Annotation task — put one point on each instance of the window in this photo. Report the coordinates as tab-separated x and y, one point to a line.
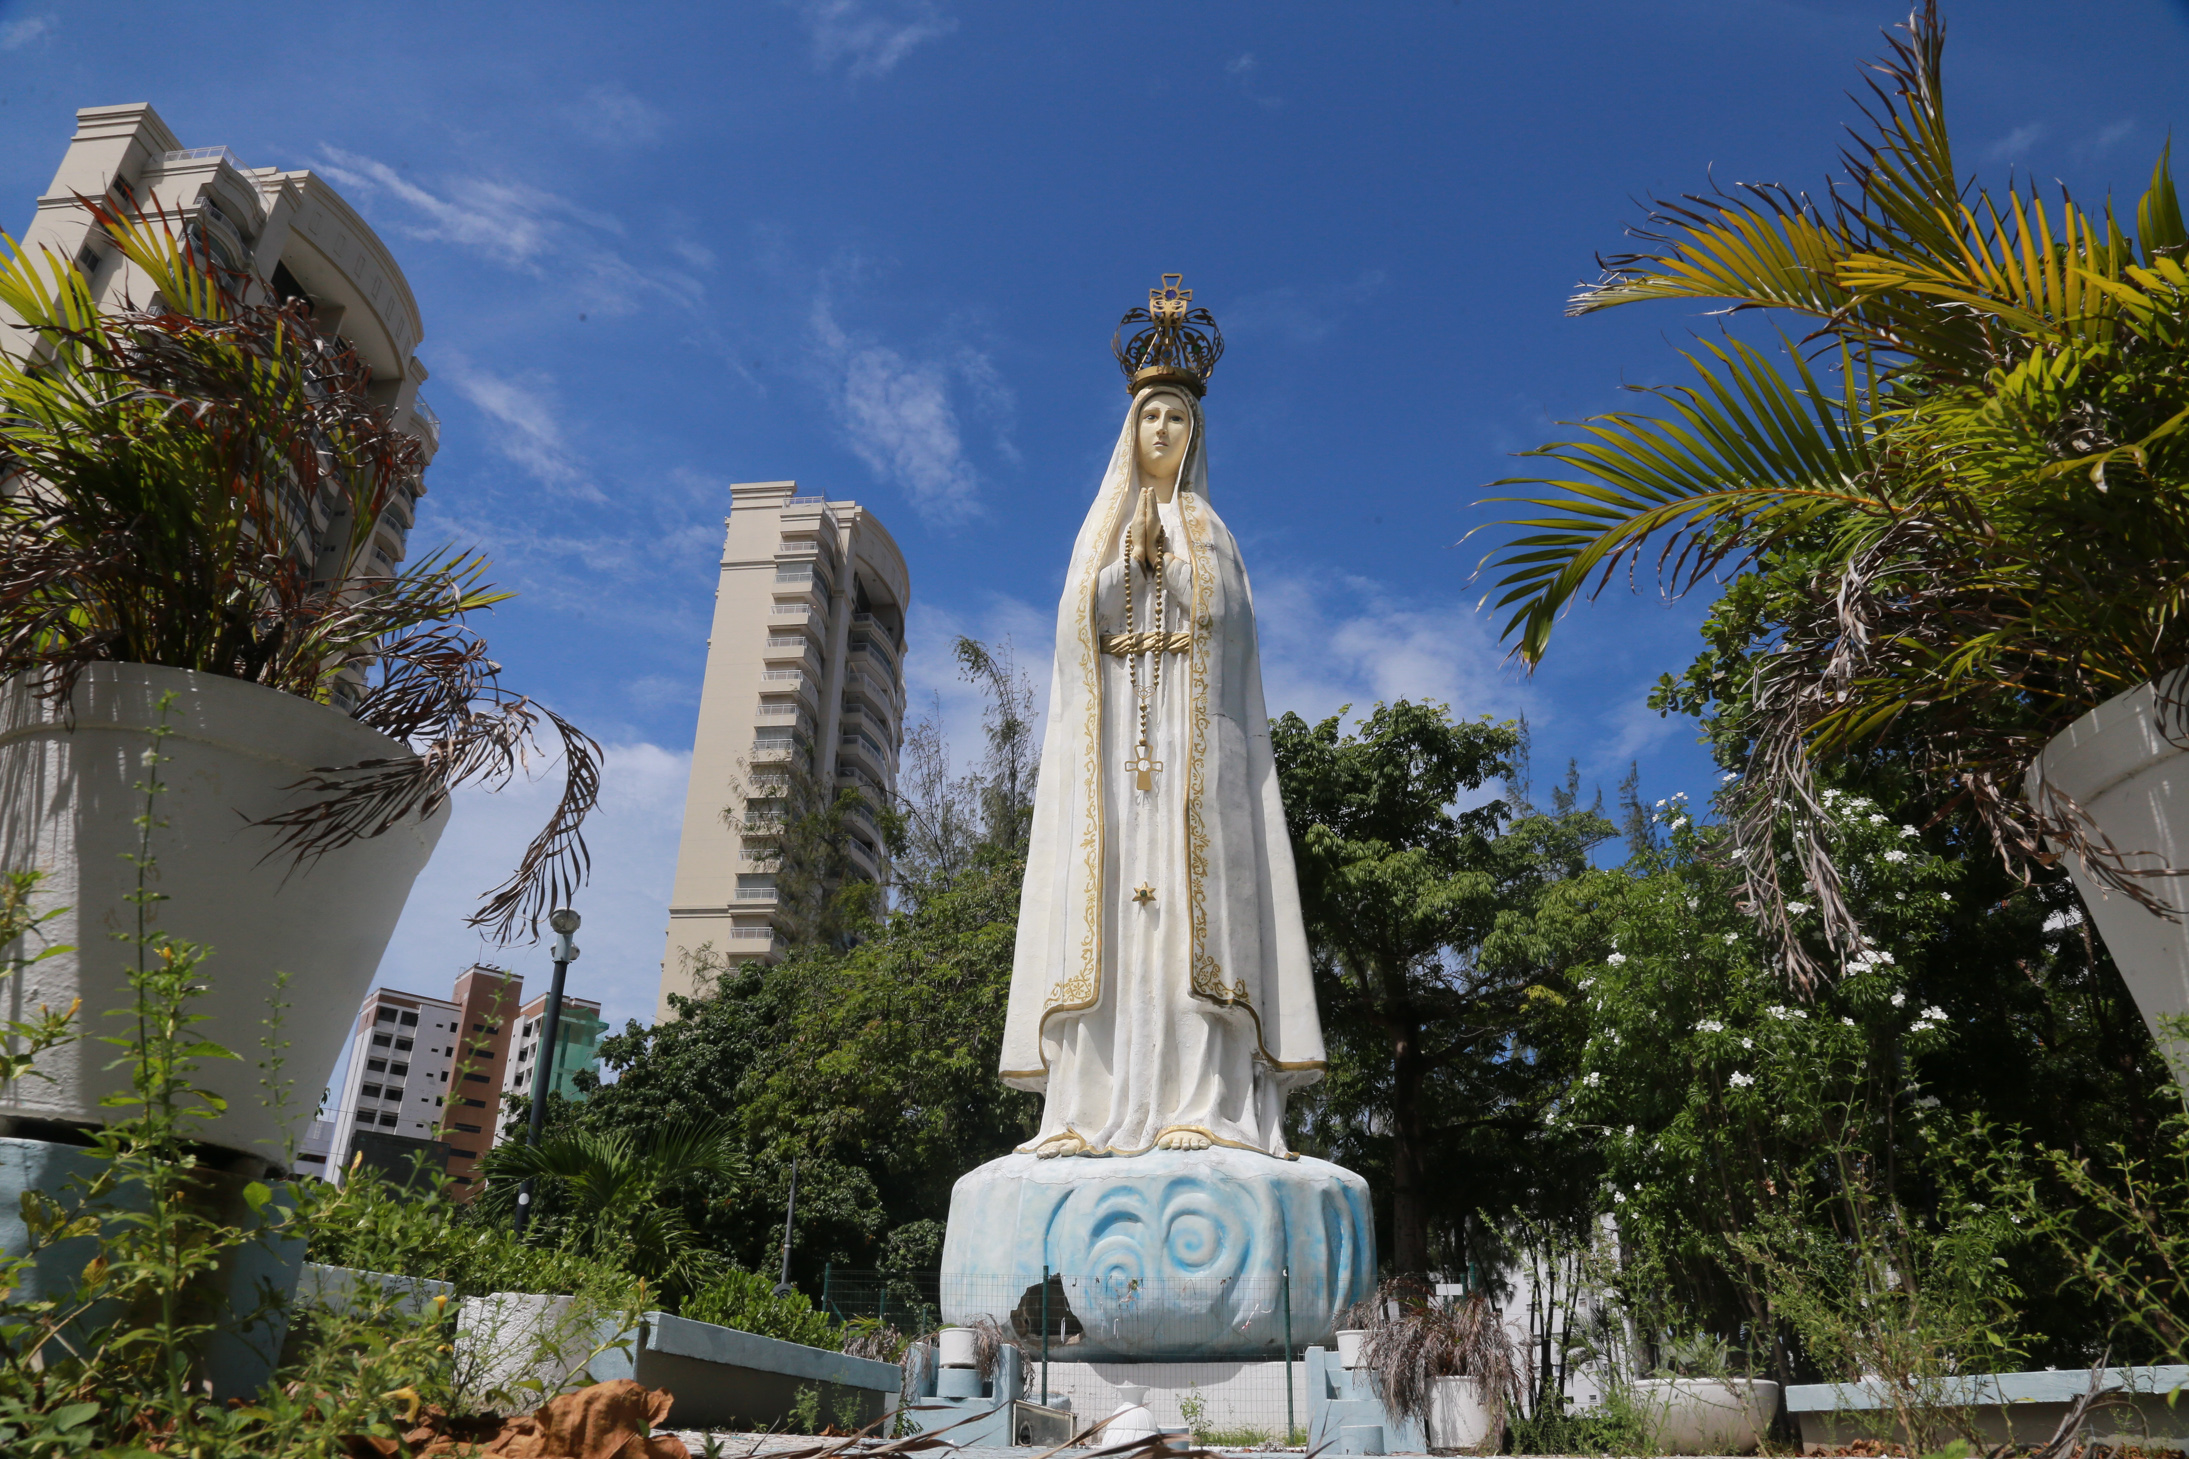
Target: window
381	1040
312	1159
398	1068
377	1066
364	1116
459	1153
476	1079
388	1118
468	1129
385	1015
404	1045
410	1018
478	1028
370	1091
475	1103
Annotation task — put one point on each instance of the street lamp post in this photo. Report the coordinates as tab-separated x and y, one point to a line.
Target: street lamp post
564	921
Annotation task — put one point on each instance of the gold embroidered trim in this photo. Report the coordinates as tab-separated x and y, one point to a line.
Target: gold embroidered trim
1124	645
1205	975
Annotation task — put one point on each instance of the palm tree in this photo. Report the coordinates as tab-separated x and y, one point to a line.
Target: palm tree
1962	481
618	1197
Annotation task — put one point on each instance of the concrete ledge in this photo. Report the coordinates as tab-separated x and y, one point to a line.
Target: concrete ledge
706	1341
1976	1389
2016	1408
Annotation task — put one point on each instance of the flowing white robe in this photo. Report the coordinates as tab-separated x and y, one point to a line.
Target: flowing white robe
1191	1009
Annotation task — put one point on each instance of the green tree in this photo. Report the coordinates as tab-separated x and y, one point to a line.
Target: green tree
615	1194
1437	1079
1975	451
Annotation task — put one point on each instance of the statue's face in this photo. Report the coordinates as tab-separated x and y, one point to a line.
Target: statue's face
1161	430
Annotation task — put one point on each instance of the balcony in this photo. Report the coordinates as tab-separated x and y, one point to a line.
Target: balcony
424	423
864	745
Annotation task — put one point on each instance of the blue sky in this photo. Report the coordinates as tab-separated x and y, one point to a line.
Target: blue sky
879	246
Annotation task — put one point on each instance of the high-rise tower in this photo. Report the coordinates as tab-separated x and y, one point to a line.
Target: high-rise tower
805	675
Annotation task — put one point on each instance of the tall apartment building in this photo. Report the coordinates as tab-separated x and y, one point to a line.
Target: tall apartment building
577	1046
394	1092
490	999
805	666
289	231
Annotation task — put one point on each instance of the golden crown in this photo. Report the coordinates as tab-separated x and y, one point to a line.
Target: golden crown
1176	344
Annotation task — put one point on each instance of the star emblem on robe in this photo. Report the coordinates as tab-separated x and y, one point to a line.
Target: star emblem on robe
1143	894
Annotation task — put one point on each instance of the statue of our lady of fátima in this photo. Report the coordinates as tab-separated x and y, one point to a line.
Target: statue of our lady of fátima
1160	993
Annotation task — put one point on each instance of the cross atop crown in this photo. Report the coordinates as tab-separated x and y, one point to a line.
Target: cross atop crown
1170	301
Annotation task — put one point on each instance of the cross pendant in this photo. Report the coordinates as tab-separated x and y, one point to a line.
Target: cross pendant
1144	766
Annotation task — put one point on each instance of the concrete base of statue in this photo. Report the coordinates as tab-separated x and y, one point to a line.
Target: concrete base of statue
1173	1254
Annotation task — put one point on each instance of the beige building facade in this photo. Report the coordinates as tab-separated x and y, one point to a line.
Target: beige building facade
289	232
805	666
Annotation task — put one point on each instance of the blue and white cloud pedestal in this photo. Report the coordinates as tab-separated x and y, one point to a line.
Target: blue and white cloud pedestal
1169	1255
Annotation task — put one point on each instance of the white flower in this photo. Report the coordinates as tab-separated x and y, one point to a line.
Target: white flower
1877	820
1896	856
1678	822
1906	831
1739	1080
1617	959
1587	983
1934	1011
1945	896
149	758
1740	853
1630	1132
1900	1000
1620	1197
1748	1043
1660	805
1593	1079
1710	1025
1731	938
1928	1101
1848	1021
1882	956
1692	904
1797	908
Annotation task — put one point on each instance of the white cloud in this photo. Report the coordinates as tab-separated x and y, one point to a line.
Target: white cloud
509	222
531	427
1336	640
2011	147
896	415
871	37
633	837
693	253
519	226
613	115
1301	317
17	34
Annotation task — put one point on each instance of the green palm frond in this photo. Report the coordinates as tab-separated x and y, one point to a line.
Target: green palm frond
1744	457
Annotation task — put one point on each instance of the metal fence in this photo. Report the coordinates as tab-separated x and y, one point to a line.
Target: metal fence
1221	1357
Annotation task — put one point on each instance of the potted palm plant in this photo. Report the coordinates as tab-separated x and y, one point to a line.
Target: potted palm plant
1952	508
188	493
1446	1364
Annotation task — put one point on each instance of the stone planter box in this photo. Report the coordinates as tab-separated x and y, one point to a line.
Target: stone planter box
67	805
1707	1415
1458	1420
2134	783
2008	1408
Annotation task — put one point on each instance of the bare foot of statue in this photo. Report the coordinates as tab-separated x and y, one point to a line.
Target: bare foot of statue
1181	1140
1064	1144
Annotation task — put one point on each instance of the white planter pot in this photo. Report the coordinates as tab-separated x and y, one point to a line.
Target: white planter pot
66	808
1707	1415
2135	784
1458	1418
954	1348
1349	1346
